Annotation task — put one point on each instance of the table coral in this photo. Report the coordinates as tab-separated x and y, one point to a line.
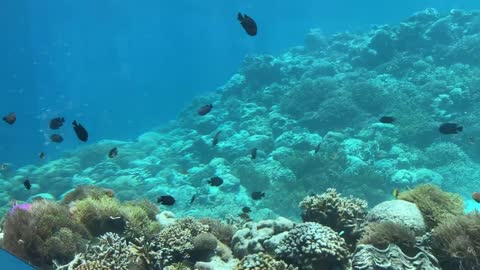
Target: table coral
313	246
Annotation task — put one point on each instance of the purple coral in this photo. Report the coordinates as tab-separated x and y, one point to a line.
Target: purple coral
20	206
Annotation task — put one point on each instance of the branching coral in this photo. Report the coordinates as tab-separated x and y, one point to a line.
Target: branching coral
339	213
436	205
313	246
456	242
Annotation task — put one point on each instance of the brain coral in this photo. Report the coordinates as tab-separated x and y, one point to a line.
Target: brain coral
330	209
314	246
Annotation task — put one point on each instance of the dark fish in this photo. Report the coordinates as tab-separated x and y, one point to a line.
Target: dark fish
317	148
387	119
81	132
476	196
27	184
257	195
10	118
215	138
215	181
56	138
246	210
194	196
41	155
56	123
205	109
450	128
113	153
245	216
166	200
254	153
396	193
248	24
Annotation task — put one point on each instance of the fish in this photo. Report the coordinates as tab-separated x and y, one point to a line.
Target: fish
450	128
4	167
215	181
205	109
56	138
57	122
257	195
395	193
81	132
10	118
248	24
166	200
253	153
27	184
387	119
471	140
41	155
317	148
476	196
245	216
113	152
215	138
246	209
194	196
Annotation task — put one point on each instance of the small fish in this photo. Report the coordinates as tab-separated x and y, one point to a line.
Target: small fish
254	153
246	210
81	132
317	148
194	196
10	118
395	193
450	128
56	138
476	196
471	140
4	167
166	200
257	195
248	24
245	216
41	155
205	109
215	181
27	184
57	122
113	152
387	119
215	138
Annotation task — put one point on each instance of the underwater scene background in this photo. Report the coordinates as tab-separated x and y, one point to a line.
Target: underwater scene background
176	136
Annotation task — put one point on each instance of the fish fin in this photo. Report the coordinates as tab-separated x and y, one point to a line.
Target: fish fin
240	17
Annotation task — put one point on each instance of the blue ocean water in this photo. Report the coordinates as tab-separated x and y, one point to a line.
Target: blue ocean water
122	68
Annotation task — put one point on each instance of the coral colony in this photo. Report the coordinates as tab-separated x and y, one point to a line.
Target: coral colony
334	124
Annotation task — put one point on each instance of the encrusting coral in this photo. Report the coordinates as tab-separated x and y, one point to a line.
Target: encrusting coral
435	204
341	214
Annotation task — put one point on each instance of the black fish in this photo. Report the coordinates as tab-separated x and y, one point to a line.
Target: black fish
245	216
254	153
248	24
215	181
10	118
166	200
194	196
81	132
450	128
215	138
246	210
113	153
317	148
41	155
56	123
205	109
56	138
387	119
27	184
257	195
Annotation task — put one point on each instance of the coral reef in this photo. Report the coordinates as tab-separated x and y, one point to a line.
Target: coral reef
381	235
435	204
313	246
341	214
400	212
263	261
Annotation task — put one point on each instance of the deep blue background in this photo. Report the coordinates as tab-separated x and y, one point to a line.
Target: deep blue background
122	67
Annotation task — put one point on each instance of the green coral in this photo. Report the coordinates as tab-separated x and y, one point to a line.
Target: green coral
435	204
456	242
381	235
85	191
